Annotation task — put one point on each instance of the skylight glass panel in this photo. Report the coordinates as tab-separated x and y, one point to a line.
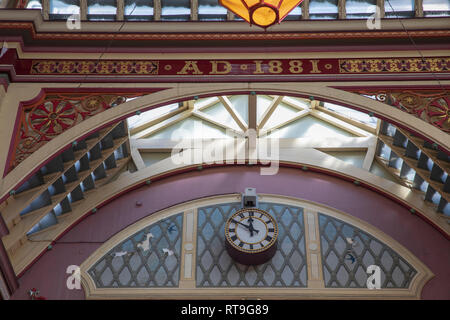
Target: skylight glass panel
150	115
360	9
102	10
400	8
436	8
34	4
323	9
176	10
295	14
384	151
446	209
62	9
352	114
138	9
211	10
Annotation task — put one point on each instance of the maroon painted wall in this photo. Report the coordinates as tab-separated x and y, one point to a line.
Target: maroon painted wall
425	242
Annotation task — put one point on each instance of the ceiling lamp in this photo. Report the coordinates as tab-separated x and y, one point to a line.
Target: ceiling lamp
263	13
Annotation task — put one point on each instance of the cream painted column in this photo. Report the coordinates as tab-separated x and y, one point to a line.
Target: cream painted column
313	251
188	251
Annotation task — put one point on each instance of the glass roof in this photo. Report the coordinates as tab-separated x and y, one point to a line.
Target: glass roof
211	10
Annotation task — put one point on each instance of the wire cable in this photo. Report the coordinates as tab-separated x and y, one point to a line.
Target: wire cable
415	45
109	45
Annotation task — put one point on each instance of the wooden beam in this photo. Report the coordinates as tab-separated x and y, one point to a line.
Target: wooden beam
380	5
236	117
418	8
287	100
189	104
83	10
370	155
45	9
344	125
157	120
296	117
208	118
315	104
348	120
120	10
162	125
252	112
156	10
323	143
194	10
269	111
154	145
305	10
136	157
342	13
209	102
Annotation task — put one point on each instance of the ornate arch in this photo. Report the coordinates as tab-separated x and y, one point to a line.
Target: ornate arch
183	92
129	264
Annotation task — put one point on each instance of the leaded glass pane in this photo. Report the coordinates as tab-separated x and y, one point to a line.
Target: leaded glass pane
176	10
211	10
101	9
323	9
360	9
347	251
62	9
215	268
138	10
149	258
400	8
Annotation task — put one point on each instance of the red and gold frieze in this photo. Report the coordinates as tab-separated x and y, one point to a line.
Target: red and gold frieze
432	106
239	67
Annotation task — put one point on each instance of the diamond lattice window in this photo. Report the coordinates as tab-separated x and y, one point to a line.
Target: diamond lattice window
149	258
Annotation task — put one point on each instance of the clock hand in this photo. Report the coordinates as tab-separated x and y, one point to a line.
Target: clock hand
240	223
250	221
251	229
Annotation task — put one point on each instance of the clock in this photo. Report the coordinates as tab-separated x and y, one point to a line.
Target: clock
251	236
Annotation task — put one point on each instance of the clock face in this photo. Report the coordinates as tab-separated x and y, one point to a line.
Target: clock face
251	230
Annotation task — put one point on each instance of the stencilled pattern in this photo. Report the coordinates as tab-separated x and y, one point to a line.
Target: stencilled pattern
149	258
215	268
347	252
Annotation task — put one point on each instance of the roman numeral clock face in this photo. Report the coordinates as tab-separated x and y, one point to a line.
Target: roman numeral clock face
251	236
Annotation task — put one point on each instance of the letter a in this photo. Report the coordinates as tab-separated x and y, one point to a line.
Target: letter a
190	66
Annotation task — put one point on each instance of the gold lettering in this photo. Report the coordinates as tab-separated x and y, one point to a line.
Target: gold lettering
315	66
215	69
190	66
275	66
258	67
296	66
